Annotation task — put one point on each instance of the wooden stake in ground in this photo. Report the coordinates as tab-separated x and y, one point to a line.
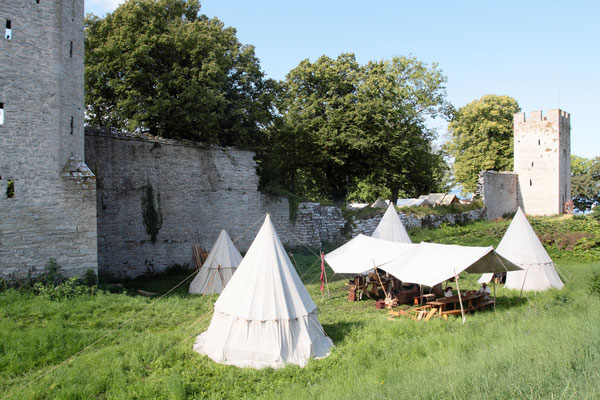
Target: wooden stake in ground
462	310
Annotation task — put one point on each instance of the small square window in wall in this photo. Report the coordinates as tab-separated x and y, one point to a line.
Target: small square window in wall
10	189
8	31
1	113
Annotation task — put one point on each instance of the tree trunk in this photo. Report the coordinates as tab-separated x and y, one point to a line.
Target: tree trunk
394	197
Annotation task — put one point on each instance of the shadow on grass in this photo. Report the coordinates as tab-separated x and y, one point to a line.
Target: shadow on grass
178	281
507	302
339	330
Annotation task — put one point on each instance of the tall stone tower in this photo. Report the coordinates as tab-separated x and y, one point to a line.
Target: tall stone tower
542	150
47	193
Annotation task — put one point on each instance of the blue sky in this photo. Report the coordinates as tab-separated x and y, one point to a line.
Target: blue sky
545	54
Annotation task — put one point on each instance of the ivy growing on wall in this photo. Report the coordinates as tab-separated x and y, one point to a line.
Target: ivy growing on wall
151	212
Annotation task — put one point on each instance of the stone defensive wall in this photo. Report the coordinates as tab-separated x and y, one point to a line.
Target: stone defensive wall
158	198
499	193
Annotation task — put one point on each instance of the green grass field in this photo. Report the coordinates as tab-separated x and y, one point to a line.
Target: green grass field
546	346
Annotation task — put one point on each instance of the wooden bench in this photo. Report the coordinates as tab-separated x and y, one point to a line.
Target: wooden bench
486	303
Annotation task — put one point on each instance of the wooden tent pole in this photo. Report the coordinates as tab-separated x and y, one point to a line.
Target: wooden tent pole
462	310
525	277
494	280
378	277
326	283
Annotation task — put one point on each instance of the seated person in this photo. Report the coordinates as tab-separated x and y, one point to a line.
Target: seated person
448	292
485	289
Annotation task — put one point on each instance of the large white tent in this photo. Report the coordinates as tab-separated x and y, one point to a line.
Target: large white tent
521	245
218	268
264	316
423	263
391	228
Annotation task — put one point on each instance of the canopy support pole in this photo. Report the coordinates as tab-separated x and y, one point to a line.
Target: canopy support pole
525	277
325	273
378	277
494	283
462	310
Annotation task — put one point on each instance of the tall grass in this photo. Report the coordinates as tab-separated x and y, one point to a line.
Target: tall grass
545	345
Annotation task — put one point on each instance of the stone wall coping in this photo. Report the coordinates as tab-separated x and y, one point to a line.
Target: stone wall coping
146	137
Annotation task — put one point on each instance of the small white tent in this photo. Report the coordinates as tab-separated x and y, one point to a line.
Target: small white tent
521	245
218	268
391	228
379	203
264	316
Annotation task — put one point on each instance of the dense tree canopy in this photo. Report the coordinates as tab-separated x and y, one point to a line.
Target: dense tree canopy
344	124
482	138
161	67
585	181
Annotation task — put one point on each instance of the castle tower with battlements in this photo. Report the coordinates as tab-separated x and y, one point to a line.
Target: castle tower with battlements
47	193
542	161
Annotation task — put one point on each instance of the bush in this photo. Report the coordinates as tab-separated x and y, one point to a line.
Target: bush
69	288
596	213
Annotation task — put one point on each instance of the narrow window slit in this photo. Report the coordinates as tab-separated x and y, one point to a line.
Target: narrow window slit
71	49
530	183
1	113
10	189
72	123
8	31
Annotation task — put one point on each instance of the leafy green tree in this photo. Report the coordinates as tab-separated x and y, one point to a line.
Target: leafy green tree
343	123
482	138
585	181
161	67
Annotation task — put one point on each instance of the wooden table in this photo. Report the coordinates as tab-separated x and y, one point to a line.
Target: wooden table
470	302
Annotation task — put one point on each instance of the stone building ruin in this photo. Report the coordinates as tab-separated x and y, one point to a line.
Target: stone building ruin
47	193
541	181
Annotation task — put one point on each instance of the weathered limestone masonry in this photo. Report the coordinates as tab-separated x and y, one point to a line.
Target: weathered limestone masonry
52	210
178	194
542	148
184	194
499	193
367	226
542	164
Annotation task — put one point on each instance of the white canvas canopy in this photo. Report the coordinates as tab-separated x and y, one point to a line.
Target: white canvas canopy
423	263
521	245
363	253
218	268
264	316
432	263
391	228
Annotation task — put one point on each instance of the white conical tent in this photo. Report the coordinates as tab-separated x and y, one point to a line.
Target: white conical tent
264	316
218	268
521	245
390	227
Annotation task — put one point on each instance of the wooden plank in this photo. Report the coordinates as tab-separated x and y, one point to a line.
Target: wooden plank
433	311
420	317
